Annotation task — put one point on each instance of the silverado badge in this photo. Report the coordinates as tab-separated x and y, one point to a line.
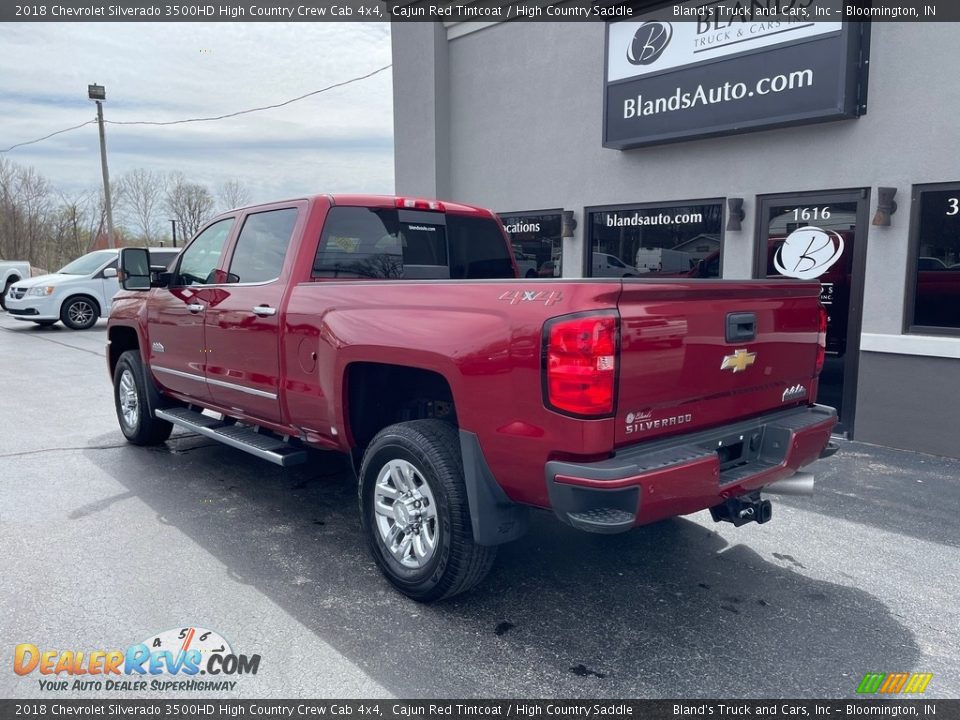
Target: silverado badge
739	361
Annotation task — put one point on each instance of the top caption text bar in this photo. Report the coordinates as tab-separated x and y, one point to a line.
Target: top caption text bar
720	12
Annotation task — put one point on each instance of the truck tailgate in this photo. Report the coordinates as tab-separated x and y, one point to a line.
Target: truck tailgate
697	355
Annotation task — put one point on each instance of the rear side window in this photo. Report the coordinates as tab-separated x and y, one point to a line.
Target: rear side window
394	244
262	246
477	249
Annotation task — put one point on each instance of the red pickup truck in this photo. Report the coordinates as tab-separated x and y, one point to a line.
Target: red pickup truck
397	330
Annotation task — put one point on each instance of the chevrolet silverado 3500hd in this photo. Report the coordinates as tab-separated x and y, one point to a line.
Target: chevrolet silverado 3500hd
397	330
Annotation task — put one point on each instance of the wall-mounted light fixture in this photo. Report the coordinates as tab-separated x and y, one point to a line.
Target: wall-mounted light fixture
568	224
885	206
735	214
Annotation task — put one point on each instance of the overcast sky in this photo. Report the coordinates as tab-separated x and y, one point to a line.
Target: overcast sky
341	140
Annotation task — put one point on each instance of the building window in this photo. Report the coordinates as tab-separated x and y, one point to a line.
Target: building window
536	241
933	280
656	240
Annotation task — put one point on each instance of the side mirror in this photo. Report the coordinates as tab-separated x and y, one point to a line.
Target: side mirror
110	272
134	269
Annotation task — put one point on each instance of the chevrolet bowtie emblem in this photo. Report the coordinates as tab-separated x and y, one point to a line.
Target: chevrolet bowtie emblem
739	361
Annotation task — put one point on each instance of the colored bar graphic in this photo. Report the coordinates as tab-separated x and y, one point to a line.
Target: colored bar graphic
894	683
918	682
871	683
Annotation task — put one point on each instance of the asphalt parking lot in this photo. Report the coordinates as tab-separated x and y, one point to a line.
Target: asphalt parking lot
106	544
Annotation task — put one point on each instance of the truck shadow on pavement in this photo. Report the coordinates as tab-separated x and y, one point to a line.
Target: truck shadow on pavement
671	610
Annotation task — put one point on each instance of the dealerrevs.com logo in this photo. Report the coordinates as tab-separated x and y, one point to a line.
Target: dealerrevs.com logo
168	661
649	42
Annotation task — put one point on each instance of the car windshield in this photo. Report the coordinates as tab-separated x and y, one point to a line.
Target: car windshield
88	263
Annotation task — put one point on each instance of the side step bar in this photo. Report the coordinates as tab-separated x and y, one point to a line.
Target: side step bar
266	447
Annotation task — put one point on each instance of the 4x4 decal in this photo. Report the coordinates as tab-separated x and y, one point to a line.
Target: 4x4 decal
547	297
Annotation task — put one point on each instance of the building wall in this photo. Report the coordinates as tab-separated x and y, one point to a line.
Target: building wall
524	103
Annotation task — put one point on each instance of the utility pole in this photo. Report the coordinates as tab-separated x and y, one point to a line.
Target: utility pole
99	94
173	225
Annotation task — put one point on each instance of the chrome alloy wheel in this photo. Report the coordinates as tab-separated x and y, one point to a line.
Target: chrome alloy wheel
406	514
80	312
128	399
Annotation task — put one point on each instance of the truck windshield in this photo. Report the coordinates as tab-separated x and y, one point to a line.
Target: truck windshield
360	242
88	263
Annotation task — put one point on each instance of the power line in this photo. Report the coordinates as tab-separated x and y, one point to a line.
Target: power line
251	110
45	137
204	119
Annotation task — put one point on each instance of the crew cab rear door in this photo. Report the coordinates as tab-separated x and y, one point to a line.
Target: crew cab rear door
703	353
244	317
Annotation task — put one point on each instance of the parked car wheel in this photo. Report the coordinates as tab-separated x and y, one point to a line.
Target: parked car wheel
135	397
414	512
79	313
6	289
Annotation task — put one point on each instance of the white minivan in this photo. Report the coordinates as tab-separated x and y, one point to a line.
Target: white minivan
78	294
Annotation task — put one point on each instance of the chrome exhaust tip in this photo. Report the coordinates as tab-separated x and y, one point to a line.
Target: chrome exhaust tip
800	483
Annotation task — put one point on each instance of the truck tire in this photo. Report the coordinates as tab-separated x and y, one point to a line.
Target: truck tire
6	289
79	313
135	397
414	512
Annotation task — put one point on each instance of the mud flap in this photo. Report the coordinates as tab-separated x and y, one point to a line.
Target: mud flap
495	518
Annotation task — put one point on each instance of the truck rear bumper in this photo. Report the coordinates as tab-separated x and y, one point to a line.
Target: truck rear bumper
651	481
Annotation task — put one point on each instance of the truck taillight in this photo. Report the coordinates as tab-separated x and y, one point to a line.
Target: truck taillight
418	204
580	363
821	339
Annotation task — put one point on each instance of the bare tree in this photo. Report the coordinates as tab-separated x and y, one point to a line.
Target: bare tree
191	204
85	218
42	225
25	206
232	194
142	198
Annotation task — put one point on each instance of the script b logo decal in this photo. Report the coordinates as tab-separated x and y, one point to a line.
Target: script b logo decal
649	42
808	253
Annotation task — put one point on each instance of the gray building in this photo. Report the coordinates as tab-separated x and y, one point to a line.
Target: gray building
683	149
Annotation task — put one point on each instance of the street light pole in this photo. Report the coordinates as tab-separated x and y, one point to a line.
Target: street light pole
99	95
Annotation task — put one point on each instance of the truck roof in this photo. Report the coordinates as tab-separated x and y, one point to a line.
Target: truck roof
382	201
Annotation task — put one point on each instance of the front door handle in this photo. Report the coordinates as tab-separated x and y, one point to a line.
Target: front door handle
195	307
264	310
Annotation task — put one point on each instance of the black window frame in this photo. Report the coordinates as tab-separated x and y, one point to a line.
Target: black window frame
913	256
587	254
